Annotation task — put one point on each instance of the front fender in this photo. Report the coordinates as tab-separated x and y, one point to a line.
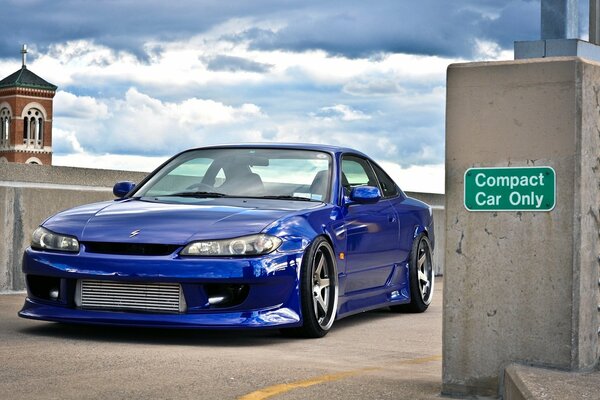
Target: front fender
298	231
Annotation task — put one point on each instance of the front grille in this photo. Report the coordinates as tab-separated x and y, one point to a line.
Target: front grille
134	249
151	297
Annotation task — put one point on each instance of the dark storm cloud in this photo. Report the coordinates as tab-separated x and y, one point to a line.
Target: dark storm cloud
394	27
233	64
519	16
429	27
119	24
354	28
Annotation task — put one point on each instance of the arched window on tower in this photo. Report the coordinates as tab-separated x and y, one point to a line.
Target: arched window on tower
41	132
26	131
4	127
33	129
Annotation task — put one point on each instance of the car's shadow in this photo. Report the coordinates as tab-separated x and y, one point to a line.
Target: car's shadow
193	337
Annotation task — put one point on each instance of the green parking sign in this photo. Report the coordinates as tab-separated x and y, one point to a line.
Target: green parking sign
510	189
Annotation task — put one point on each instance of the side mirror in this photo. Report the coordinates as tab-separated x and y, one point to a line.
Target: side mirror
364	195
122	188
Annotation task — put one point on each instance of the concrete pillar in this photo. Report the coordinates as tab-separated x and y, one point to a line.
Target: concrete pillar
594	31
560	19
521	286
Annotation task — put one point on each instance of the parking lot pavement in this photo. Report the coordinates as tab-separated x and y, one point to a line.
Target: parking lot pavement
374	355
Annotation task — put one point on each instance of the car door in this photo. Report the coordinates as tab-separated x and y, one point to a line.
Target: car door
396	197
372	231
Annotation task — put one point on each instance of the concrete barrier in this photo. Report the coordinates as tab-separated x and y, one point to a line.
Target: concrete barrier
31	193
523	382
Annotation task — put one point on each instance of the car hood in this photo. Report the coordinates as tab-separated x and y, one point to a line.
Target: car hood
139	221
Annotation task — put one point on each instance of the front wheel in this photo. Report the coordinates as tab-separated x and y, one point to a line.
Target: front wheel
318	290
421	277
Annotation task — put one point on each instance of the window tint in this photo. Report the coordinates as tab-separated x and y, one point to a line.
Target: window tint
356	171
388	186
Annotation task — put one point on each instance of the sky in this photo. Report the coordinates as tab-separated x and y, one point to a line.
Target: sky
139	81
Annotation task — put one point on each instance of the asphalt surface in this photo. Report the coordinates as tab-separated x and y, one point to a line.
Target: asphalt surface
374	355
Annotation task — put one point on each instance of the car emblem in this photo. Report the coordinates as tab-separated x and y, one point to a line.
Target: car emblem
134	233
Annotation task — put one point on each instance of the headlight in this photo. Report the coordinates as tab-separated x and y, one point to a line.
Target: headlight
242	246
43	239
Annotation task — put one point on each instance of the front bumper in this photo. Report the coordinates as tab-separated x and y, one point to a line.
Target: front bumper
272	298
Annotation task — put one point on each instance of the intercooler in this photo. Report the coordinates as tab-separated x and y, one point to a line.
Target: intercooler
130	296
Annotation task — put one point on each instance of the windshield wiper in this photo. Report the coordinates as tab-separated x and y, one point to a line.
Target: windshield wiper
200	195
285	197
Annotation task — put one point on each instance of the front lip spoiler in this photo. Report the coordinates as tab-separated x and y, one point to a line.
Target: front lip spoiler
266	318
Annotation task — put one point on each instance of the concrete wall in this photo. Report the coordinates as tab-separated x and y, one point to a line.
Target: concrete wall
31	193
521	286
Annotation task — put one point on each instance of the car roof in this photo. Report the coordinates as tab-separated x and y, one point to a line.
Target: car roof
296	146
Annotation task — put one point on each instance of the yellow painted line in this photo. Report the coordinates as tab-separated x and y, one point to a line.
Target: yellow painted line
271	391
275	390
422	360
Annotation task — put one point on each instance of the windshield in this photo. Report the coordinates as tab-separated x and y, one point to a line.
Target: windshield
244	172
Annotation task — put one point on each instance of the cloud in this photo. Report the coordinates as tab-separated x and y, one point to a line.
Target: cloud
68	105
65	142
129	107
398	98
141	124
417	178
342	112
372	86
234	64
351	28
108	161
516	20
356	29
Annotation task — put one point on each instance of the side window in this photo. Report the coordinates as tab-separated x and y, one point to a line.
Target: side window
356	171
388	186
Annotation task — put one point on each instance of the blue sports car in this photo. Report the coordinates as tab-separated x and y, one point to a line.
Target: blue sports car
238	236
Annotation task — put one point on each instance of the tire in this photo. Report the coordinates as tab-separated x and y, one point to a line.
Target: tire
318	291
421	277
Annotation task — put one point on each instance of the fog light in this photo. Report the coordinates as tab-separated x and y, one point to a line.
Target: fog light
213	301
225	295
53	294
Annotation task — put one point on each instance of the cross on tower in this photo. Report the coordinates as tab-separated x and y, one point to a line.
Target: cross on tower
24	55
26	116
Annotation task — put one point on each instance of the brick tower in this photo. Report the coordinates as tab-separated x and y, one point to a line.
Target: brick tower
26	117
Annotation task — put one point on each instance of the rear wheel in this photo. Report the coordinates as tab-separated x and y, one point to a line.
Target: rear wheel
421	277
318	291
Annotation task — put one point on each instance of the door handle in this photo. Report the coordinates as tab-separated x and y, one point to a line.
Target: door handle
391	218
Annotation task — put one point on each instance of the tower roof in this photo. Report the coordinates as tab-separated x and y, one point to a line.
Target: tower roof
26	78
